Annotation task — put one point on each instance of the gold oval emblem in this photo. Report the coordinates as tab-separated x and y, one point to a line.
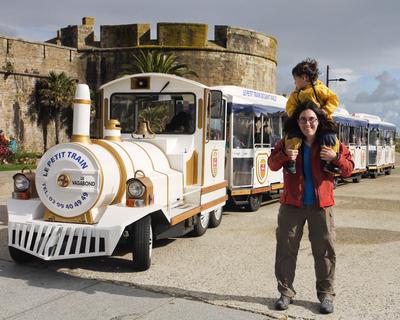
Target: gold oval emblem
63	180
214	162
262	167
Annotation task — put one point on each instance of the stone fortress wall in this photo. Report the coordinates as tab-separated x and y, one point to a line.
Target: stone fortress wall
236	56
22	63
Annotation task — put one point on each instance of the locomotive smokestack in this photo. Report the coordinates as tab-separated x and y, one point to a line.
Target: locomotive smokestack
81	124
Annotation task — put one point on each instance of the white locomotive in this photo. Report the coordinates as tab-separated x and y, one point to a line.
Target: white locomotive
166	178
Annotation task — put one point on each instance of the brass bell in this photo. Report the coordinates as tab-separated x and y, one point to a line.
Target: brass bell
143	130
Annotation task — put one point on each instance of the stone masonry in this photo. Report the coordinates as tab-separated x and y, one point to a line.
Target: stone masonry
235	57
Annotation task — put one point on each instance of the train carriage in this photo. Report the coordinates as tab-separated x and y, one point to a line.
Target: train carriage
381	144
353	132
156	171
254	125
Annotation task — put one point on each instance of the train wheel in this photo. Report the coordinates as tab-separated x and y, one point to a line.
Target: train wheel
388	171
230	204
20	256
357	178
201	225
215	218
142	237
254	202
373	174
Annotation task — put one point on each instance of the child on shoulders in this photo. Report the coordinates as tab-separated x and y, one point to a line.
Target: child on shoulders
308	87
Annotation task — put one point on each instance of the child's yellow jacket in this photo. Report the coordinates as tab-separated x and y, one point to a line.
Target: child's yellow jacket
326	97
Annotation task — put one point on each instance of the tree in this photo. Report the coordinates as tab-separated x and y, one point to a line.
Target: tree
56	93
156	61
39	113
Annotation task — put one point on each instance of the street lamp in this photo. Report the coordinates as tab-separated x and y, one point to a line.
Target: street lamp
327	77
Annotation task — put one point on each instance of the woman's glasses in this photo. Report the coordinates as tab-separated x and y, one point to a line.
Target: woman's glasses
311	120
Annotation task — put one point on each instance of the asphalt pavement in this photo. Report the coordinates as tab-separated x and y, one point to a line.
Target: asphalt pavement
38	291
227	273
27	292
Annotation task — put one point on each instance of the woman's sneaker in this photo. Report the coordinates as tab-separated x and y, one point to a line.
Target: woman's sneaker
283	302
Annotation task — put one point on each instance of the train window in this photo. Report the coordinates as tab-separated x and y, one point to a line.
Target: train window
364	136
243	130
344	135
352	135
267	130
389	137
355	135
276	132
216	125
373	137
122	109
242	171
167	113
381	138
262	131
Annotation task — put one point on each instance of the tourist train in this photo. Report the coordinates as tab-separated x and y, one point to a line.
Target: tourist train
171	154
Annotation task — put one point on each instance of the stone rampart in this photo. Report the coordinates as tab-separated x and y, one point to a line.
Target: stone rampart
235	56
22	63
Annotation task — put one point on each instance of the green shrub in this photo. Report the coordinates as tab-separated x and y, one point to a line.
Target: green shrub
25	157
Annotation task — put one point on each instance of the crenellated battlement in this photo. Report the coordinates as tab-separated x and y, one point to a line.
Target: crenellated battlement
169	35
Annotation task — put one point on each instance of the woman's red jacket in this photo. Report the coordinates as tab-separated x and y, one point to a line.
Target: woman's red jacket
323	181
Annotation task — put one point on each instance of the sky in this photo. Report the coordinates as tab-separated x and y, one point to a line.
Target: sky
358	39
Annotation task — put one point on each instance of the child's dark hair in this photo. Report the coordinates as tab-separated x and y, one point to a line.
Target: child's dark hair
290	126
308	67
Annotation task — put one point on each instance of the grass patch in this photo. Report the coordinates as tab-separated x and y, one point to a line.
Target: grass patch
19	160
15	166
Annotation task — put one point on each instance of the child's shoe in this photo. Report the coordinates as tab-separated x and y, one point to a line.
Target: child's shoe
330	167
290	166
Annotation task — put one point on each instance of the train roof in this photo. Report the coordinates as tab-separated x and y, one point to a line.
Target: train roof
374	121
245	96
167	77
350	121
343	117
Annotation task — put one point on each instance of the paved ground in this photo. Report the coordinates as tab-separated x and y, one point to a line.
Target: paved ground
28	292
232	265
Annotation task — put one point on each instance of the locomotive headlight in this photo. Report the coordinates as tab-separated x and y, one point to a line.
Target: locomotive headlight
139	190
21	183
135	188
24	185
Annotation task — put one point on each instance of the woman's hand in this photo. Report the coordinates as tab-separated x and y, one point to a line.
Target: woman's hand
292	153
327	154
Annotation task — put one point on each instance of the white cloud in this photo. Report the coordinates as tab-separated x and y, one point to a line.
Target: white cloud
388	90
383	100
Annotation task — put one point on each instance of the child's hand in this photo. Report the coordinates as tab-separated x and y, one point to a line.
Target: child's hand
327	154
292	153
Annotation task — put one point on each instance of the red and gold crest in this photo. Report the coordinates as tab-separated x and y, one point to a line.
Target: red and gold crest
214	162
262	167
